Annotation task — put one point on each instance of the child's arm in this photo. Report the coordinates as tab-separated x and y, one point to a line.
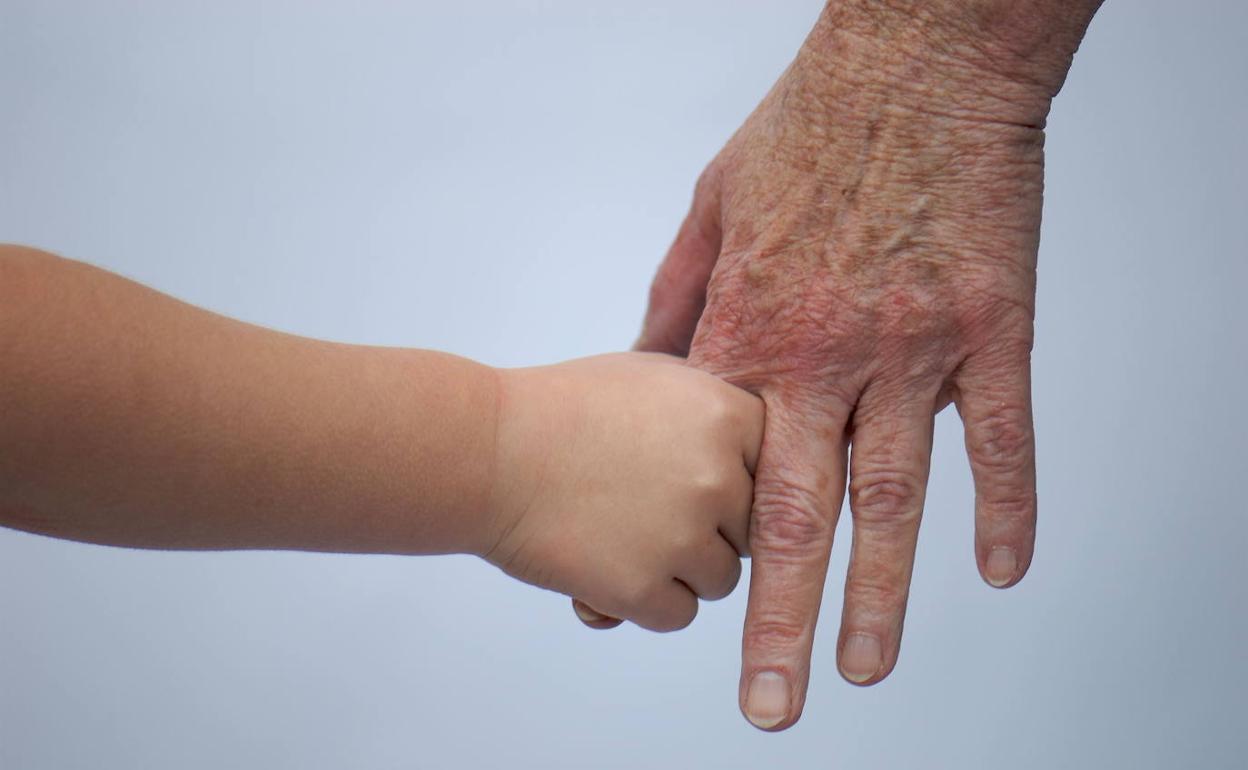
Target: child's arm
130	418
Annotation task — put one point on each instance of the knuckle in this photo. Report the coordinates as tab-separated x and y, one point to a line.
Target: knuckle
993	290
755	336
786	518
778	632
635	595
712	489
886	496
1004	316
721	408
1001	441
686	538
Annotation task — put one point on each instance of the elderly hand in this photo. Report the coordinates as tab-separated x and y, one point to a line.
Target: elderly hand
860	254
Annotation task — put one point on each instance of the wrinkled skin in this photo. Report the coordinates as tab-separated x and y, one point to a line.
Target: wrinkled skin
861	254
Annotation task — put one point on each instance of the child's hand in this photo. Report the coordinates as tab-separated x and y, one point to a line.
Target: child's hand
625	480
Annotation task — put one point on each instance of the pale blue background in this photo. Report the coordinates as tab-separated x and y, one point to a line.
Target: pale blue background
500	179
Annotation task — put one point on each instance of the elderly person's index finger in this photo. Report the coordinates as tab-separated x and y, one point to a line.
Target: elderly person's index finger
798	489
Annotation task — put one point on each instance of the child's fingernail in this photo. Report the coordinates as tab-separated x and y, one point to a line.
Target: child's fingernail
767	700
1001	566
861	658
586	613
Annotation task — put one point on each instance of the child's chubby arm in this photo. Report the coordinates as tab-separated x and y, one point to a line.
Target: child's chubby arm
130	418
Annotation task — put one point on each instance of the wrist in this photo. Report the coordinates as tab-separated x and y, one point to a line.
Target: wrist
995	60
520	452
490	513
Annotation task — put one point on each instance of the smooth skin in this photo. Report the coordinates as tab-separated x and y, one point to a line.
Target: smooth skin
130	418
861	254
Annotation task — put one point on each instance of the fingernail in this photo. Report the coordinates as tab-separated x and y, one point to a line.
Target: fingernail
861	657
767	700
1001	567
588	614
